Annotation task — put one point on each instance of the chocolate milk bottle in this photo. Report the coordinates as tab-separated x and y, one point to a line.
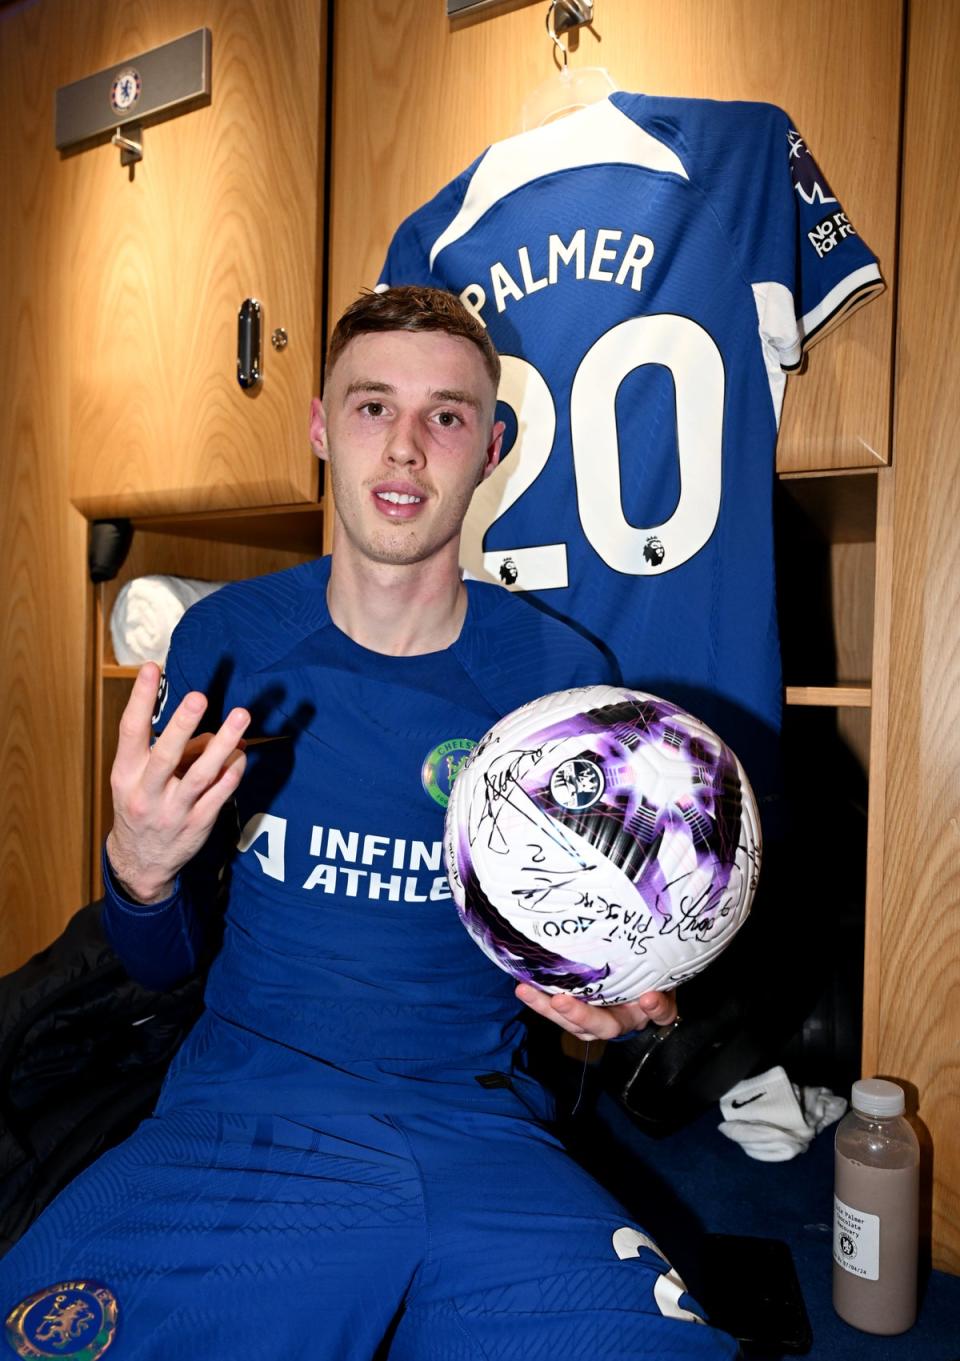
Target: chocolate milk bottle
876	1175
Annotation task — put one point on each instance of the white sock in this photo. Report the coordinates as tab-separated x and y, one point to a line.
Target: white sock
765	1116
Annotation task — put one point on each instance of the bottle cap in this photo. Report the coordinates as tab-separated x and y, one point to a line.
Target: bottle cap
875	1096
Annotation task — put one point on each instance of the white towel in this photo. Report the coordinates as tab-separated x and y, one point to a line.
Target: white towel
146	612
773	1119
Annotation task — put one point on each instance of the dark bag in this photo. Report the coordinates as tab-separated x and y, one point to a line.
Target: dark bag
83	1053
787	991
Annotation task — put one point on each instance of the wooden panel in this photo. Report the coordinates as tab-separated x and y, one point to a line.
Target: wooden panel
853	730
297	529
418	97
111	701
829	696
46	599
826	529
852	567
108	285
913	962
879	734
156	262
842	506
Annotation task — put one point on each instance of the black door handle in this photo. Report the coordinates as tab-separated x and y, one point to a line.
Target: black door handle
249	358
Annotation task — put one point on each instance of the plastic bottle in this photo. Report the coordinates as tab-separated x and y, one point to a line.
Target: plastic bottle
876	1176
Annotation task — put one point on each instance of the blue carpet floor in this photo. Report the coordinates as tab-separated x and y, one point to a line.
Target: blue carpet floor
695	1181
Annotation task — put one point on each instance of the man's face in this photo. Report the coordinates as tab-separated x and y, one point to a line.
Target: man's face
406	424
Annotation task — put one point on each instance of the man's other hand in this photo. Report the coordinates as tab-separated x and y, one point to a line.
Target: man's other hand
166	797
591	1022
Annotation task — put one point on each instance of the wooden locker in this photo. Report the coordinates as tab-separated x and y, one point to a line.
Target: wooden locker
156	261
417	97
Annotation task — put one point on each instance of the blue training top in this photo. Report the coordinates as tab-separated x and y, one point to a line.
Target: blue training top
342	943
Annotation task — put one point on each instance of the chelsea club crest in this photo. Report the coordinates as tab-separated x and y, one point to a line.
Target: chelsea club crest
442	767
75	1318
125	90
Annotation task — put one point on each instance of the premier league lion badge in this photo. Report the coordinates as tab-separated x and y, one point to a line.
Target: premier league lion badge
75	1318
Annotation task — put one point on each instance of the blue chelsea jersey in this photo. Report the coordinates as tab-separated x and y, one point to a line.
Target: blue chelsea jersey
650	269
341	941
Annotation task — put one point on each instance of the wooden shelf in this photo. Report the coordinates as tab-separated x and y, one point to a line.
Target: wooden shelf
820	696
849	696
297	528
842	505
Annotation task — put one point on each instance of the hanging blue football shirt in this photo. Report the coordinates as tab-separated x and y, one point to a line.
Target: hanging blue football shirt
649	269
342	943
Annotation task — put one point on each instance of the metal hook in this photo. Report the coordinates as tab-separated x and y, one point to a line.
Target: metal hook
569	14
131	147
551	31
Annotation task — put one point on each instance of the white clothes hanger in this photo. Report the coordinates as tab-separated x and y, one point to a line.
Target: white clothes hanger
570	89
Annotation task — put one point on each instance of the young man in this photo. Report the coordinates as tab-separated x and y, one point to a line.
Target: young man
347	1158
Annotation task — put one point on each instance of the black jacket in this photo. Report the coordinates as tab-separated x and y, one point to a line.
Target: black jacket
83	1053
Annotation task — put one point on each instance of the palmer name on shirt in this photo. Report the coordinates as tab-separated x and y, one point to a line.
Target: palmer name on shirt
607	255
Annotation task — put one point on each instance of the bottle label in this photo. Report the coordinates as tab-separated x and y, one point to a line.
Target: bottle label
856	1241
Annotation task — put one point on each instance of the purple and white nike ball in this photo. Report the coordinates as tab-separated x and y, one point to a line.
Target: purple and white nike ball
602	842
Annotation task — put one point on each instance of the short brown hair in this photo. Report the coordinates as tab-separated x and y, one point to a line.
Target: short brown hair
412	308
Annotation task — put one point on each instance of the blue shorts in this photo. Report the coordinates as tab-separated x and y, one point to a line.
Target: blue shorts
460	1234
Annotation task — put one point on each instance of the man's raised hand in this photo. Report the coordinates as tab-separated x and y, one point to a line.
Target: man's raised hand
166	797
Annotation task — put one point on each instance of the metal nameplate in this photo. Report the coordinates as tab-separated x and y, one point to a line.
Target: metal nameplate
157	84
457	7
